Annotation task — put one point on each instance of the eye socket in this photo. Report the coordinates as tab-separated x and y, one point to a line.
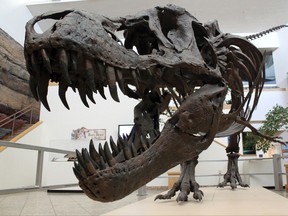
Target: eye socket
205	48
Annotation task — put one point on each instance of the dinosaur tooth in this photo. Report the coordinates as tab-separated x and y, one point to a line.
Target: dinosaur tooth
100	69
73	61
113	146
110	159
46	60
102	163
90	95
88	164
126	150
81	164
89	72
101	91
101	151
133	150
82	93
42	88
79	171
77	174
79	158
82	172
63	65
111	79
33	87
34	64
62	93
120	80
93	153
143	143
134	75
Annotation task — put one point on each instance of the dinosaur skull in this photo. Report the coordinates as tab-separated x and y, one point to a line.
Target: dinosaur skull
80	43
82	50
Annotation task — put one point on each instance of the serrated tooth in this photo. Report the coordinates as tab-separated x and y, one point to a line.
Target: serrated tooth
42	89
82	93
100	69
111	79
79	158
89	71
77	174
93	153
143	143
102	163
82	171
88	164
133	149
101	152
110	159
34	64
81	165
135	78
63	65
90	95
79	171
46	60
62	93
73	59
126	150
101	91
114	147
33	87
120	81
76	171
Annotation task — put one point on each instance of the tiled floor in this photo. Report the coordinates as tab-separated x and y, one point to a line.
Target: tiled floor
41	203
217	201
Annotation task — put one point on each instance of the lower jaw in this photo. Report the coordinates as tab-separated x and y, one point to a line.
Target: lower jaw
113	184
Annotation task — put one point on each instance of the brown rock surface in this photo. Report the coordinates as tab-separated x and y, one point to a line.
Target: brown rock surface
14	78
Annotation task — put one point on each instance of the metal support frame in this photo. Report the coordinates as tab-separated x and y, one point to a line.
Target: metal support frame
277	172
39	169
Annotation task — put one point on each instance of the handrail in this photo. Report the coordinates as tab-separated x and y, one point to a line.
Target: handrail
12	118
38	183
33	147
39	169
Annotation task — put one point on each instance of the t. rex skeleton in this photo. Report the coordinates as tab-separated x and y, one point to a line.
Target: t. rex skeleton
177	57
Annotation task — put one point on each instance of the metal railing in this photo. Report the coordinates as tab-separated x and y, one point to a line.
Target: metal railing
12	118
39	167
277	173
277	167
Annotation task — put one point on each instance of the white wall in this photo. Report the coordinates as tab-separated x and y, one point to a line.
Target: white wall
14	15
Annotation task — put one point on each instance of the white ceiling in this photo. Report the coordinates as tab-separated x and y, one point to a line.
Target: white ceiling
234	16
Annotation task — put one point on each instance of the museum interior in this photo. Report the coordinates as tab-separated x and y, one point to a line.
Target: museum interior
152	107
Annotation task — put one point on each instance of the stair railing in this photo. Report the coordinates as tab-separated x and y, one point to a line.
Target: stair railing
12	118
